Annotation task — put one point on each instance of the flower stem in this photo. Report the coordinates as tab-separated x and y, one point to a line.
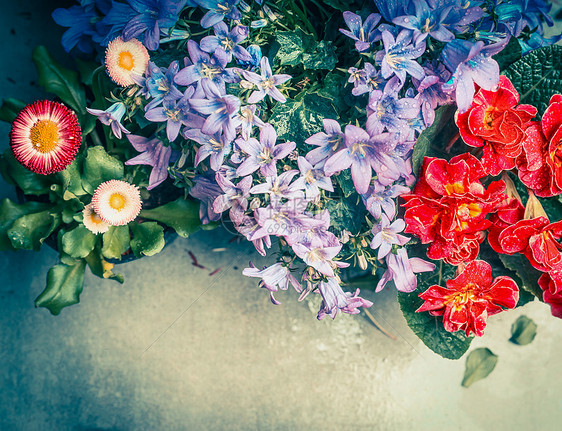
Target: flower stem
378	325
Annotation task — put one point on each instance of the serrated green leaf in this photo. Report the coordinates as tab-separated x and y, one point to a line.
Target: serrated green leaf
59	80
116	242
64	286
348	214
148	238
100	167
346	183
537	76
292	46
10	109
443	116
78	242
29	182
450	345
181	215
529	276
479	364
297	120
523	331
30	230
9	213
323	56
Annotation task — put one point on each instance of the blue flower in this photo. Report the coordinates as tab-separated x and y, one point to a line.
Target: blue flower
160	84
255	53
381	198
228	41
471	63
386	110
398	56
328	142
235	197
461	14
206	191
79	20
153	153
112	117
370	80
218	10
426	22
215	146
363	33
390	9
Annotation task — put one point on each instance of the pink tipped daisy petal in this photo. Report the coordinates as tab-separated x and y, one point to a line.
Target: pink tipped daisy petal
45	137
125	59
93	221
117	202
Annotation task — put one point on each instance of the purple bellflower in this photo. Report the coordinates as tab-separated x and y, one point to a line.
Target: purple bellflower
471	63
398	56
218	10
153	153
247	228
427	21
263	154
402	269
390	9
363	152
386	110
248	119
228	41
317	255
386	235
267	83
221	110
364	34
112	117
160	84
279	187
206	191
334	299
214	146
372	81
328	142
274	278
381	198
235	197
312	179
80	21
282	220
462	14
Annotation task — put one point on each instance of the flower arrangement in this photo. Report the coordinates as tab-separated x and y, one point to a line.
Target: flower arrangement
324	132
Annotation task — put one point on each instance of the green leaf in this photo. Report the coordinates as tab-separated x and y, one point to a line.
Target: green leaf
443	117
100	267
297	120
333	89
100	167
450	345
538	76
509	55
9	213
347	214
181	215
78	242
323	56
529	276
86	69
59	80
71	177
523	331
116	242
64	286
479	364
30	230
10	109
292	46
343	5
29	182
346	182
148	238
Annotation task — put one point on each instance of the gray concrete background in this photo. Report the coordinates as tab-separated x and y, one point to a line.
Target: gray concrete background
176	349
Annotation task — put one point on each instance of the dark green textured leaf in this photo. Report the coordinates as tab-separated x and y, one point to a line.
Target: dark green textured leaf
529	276
59	80
148	238
29	182
100	167
30	230
347	214
181	215
10	109
346	183
443	117
479	364
538	76
78	242
509	55
450	345
297	120
64	286
523	331
292	45
9	213
343	5
323	56
115	242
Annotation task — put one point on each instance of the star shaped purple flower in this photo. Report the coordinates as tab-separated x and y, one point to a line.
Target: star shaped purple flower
386	235
398	56
228	41
235	197
334	299
402	269
328	142
274	278
266	82
312	179
214	146
363	33
153	153
218	10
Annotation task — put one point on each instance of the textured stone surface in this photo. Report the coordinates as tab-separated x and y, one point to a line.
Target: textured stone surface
176	349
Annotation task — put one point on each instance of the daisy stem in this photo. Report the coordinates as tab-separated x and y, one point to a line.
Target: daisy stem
378	325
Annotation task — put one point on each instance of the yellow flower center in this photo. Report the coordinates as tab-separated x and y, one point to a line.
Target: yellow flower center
117	201
44	136
95	218
126	60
